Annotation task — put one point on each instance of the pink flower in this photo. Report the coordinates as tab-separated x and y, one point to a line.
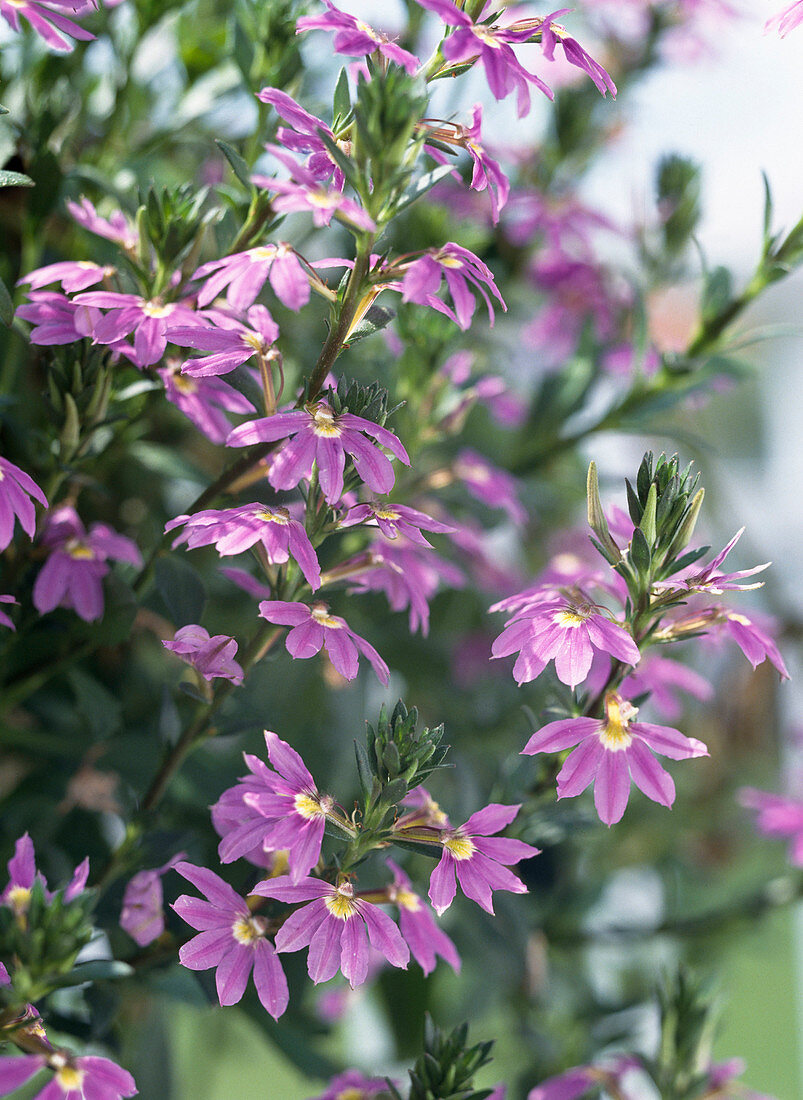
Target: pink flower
461	270
778	815
490	484
202	400
394	520
314	627
233	530
231	342
756	644
46	19
712	579
245	273
75	1078
318	435
4	619
409	575
336	925
142	915
612	751
240	825
492	45
56	319
478	859
292	814
231	939
575	1083
304	136
16	487
487	174
150	320
353	1085
355	38
72	574
22	874
663	678
550	627
552	35
117	227
786	19
304	192
418	926
73	275
212	657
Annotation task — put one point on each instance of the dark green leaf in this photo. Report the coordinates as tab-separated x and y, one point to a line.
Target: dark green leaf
238	165
6	305
182	590
342	100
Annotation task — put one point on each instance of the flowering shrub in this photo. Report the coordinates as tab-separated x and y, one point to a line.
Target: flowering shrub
349	463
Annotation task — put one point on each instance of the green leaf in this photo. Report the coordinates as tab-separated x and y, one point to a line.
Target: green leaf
420	186
342	100
640	551
717	293
182	590
14	179
344	163
101	710
6	305
364	769
376	318
97	970
238	165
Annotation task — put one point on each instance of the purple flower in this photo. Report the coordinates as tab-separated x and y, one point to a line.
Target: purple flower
778	815
16	487
756	644
409	575
712	579
73	275
552	35
394	520
240	826
319	436
462	270
117	227
612	751
72	574
579	296
231	939
293	814
22	874
786	19
418	926
231	342
46	19
554	628
314	627
245	273
487	173
478	859
353	1085
355	38
490	485
576	1082
336	926
4	619
142	915
304	136
233	530
212	657
304	192
150	320
75	1078
663	678
202	400
55	319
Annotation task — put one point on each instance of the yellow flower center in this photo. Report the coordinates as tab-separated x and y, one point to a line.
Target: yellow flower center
486	35
324	423
156	309
320	613
308	806
255	341
264	252
735	617
615	734
247	930
406	899
79	550
460	846
568	619
449	261
184	384
281	516
70	1078
350	1094
342	904
320	198
387	513
19	898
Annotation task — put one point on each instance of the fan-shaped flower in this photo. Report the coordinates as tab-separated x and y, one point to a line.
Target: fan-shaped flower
16	489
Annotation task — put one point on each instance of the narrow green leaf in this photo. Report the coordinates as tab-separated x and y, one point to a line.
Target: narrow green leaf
421	186
342	100
238	165
6	305
14	179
